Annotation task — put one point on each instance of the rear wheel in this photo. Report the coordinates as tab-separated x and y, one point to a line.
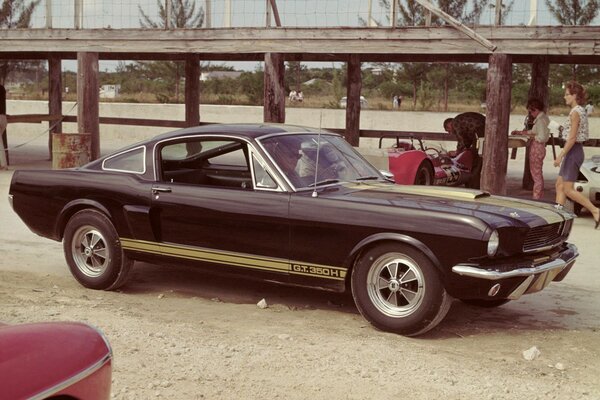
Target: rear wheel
397	289
424	175
93	251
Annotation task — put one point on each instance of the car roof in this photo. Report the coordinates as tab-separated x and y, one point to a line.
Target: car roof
249	130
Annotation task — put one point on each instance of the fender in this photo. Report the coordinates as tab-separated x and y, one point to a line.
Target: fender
404	165
393	237
71	208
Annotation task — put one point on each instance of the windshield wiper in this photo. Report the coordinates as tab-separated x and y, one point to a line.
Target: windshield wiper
368	178
324	182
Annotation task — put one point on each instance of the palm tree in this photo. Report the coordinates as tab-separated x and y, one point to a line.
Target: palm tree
574	12
14	14
182	14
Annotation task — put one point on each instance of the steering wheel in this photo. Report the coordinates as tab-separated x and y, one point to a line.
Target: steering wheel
433	152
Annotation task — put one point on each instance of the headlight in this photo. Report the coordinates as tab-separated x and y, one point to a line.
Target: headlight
493	244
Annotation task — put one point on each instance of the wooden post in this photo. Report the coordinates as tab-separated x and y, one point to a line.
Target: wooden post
495	151
354	86
88	97
78	14
48	14
192	90
54	97
274	90
393	13
208	14
3	135
498	14
168	10
540	71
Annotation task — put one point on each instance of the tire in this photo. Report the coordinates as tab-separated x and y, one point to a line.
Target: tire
485	303
577	208
424	175
93	251
397	289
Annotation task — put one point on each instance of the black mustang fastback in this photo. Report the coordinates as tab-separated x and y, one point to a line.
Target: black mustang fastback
297	206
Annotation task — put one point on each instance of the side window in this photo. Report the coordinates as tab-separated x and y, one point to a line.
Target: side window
262	178
207	162
133	161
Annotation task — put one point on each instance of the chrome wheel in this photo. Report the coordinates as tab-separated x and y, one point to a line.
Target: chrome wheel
395	285
90	251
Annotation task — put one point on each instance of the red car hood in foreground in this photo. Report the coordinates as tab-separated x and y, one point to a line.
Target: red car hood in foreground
49	359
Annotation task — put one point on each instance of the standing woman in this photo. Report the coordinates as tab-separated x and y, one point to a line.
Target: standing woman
571	157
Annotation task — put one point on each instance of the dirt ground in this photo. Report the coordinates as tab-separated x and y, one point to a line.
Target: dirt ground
179	334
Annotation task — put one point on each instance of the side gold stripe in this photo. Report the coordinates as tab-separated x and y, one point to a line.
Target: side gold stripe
235	259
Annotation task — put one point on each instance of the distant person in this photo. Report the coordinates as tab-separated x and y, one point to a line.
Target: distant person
589	109
572	155
538	134
300	96
466	127
395	102
399	101
292	95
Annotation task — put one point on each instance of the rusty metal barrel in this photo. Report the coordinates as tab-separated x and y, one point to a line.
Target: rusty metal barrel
71	149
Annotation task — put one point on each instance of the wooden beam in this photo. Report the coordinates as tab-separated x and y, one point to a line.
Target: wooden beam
54	97
163	123
354	86
275	11
274	89
32	118
495	147
569	41
456	24
88	98
192	90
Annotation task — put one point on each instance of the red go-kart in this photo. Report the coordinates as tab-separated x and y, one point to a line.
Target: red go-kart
427	165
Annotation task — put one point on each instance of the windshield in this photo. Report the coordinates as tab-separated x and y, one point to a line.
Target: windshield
335	161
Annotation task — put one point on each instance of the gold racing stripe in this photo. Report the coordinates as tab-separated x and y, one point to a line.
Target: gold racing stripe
545	212
235	259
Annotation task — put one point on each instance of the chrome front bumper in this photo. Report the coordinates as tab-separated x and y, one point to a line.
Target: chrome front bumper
537	277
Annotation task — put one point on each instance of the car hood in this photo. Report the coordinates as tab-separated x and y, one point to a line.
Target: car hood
498	211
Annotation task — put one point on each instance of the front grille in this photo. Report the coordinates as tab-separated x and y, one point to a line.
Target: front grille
543	236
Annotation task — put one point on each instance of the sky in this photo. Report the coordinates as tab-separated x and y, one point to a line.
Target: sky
117	14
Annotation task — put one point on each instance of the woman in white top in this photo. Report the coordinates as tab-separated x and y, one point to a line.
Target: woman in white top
571	157
538	136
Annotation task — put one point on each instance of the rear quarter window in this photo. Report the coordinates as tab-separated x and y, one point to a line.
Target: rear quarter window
132	161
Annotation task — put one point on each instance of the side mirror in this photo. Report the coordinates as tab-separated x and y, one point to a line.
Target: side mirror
387	175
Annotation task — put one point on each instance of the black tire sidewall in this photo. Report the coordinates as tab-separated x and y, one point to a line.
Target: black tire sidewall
421	318
424	168
115	263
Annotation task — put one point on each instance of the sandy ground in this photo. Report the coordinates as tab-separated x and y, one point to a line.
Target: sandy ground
179	334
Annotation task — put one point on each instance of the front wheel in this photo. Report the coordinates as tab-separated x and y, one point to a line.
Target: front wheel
424	175
397	289
93	251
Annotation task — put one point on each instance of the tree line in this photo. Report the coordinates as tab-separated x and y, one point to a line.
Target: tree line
426	86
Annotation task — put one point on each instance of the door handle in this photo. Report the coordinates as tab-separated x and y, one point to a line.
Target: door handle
159	189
